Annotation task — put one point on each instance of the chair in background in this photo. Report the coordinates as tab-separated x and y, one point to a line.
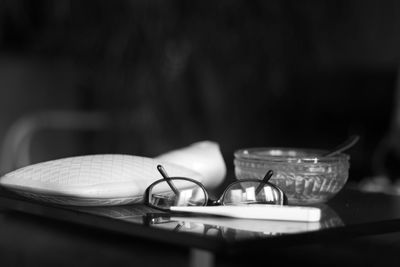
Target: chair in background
16	147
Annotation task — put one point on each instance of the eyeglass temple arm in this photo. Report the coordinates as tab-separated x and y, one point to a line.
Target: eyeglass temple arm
265	180
164	174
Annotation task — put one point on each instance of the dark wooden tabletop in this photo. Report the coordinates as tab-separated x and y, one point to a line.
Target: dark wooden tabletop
33	234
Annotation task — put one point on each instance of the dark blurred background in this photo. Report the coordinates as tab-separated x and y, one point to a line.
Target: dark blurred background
144	77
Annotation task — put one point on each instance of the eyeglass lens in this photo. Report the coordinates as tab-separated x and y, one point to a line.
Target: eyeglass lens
189	194
248	192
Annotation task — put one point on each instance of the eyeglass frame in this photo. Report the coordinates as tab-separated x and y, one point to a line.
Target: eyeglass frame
208	201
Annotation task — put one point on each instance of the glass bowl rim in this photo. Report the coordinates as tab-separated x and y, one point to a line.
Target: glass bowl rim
308	155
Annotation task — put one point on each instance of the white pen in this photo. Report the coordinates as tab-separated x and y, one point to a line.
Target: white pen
257	211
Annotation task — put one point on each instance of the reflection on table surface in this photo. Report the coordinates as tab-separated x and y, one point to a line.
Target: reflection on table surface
215	226
356	211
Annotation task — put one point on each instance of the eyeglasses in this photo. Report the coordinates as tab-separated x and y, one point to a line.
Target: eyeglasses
183	191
